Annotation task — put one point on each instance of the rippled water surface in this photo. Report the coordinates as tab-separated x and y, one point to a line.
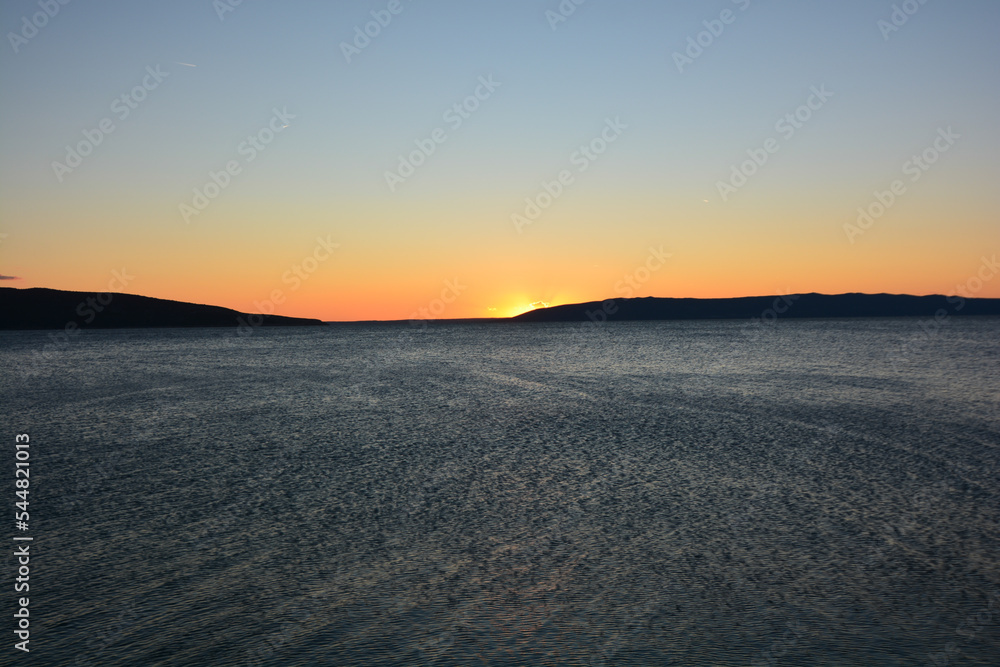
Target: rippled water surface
694	493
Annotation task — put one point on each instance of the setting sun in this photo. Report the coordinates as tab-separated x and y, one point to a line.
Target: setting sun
514	311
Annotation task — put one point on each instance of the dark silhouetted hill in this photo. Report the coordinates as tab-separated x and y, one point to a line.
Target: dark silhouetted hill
39	308
797	306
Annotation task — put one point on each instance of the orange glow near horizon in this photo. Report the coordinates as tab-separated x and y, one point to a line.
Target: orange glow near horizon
342	271
339	296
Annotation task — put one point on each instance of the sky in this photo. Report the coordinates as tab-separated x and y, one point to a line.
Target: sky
403	159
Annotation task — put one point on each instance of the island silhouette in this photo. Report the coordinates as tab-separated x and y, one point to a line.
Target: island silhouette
41	308
766	307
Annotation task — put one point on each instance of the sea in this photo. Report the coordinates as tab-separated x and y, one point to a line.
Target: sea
799	492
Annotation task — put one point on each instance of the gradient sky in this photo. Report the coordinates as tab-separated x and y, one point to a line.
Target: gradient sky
447	230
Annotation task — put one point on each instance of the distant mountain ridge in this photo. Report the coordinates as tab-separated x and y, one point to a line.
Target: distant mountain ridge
41	308
768	307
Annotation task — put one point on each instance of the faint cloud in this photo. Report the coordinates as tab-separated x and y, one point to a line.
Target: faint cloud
10	277
540	304
185	64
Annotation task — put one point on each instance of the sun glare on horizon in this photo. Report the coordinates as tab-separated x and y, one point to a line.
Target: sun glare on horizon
514	311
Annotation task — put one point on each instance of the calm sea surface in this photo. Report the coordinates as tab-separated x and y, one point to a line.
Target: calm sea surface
692	493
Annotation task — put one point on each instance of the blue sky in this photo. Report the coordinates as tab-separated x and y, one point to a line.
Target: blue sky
557	88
